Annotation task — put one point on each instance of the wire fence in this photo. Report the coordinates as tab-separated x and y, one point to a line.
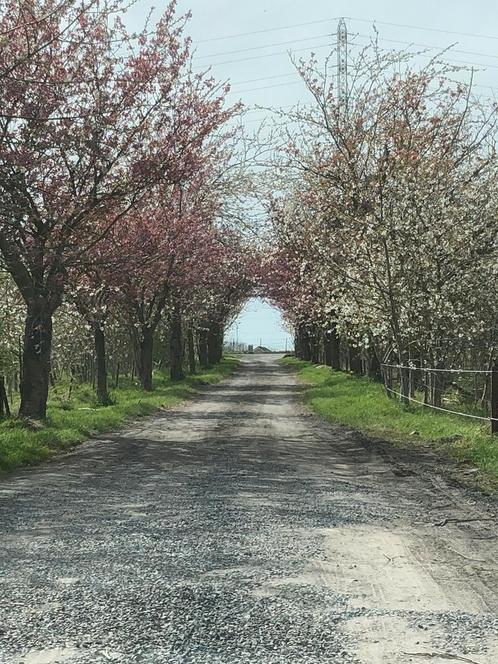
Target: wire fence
443	389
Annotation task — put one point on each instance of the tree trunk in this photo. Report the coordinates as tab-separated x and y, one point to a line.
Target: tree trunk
191	351
335	348
315	345
215	342
438	381
176	347
405	378
143	358
37	349
327	348
297	343
203	348
101	365
303	343
4	402
355	361
374	368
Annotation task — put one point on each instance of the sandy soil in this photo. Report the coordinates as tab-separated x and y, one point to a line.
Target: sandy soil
241	528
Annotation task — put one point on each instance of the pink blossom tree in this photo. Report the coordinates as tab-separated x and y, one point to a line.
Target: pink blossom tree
87	125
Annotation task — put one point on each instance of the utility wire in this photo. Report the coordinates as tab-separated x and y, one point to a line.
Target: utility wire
268	87
419	27
268	55
265	78
260	32
258	48
349	18
449	50
331	45
382	39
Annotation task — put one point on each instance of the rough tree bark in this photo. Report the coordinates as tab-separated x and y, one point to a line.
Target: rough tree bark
332	348
215	342
355	361
374	368
144	345
315	344
4	401
203	348
303	343
37	348
438	384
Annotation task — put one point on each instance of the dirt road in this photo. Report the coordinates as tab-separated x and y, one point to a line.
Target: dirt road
241	528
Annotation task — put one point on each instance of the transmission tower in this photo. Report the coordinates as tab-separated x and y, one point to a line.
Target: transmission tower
342	67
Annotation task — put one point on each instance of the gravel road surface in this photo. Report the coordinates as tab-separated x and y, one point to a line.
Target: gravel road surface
240	528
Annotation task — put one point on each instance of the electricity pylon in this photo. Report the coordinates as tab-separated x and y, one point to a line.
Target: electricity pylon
342	67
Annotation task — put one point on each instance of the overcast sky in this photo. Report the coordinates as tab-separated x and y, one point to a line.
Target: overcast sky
249	61
247	43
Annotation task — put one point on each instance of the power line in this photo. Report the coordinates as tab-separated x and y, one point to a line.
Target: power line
449	50
349	18
258	48
268	87
268	55
332	45
265	78
419	27
260	32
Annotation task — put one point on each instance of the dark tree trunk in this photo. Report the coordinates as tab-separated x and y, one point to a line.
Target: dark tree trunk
145	345
191	351
355	361
374	368
438	381
303	338
335	348
37	349
176	347
314	338
215	342
332	348
101	366
4	402
297	343
203	348
327	348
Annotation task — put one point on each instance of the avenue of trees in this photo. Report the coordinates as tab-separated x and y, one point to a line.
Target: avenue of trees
121	250
115	162
385	226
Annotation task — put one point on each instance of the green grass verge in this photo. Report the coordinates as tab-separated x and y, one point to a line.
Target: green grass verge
71	422
362	404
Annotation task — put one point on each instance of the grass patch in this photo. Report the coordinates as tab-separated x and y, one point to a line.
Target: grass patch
362	404
72	421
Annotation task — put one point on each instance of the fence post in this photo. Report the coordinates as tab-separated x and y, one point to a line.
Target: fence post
494	399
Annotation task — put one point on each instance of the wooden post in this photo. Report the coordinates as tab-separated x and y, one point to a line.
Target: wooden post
494	399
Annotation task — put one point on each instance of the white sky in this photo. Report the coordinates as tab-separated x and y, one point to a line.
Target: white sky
260	324
214	21
259	68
